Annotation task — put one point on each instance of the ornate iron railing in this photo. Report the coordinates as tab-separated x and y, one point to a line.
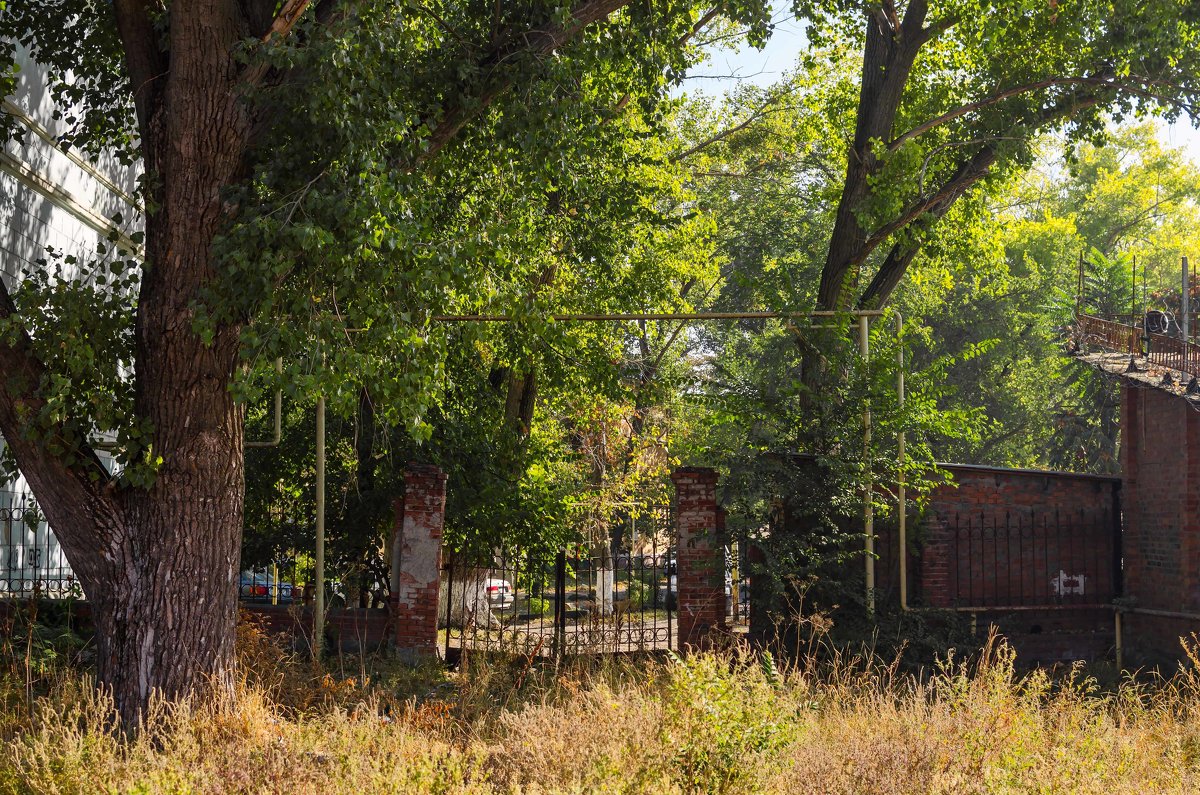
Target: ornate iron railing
574	602
1161	349
31	561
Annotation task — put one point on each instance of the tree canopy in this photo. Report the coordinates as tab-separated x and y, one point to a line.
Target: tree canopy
323	179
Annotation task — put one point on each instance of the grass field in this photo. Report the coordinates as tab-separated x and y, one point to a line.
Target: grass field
727	722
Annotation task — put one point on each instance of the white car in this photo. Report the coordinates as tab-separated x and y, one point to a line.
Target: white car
499	593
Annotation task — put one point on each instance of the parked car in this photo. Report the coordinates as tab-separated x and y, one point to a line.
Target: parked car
499	593
260	586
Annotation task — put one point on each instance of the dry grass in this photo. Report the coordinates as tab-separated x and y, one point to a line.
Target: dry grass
728	722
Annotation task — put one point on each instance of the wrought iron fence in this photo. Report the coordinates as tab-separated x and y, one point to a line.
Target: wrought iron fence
282	583
578	601
1118	335
293	581
1035	560
31	561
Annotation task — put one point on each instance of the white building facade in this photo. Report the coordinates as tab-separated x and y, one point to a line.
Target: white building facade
51	198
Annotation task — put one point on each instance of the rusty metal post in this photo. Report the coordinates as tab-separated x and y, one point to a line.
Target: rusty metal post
1185	305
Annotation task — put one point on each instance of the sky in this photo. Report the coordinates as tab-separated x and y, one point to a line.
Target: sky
729	68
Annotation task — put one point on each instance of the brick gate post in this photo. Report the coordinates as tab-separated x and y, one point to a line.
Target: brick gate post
417	561
700	557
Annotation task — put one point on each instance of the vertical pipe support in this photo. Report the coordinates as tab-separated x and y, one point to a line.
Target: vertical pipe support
868	488
901	496
1079	290
1133	318
277	428
319	607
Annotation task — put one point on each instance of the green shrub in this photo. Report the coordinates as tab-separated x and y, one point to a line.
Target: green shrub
723	719
640	595
538	606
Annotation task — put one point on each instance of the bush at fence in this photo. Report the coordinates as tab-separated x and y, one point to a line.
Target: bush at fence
641	595
538	606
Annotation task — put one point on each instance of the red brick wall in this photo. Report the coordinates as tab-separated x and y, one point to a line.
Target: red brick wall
419	534
1009	536
355	630
700	557
1160	458
1001	537
1042	637
1022	492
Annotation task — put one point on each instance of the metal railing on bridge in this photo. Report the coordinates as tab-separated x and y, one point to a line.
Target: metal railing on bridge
1164	350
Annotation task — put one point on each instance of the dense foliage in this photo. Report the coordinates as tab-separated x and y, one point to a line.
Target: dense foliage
324	182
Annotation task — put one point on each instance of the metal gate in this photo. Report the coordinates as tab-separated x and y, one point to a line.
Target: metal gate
578	601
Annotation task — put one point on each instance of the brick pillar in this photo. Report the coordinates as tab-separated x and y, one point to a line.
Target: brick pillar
700	557
417	561
935	563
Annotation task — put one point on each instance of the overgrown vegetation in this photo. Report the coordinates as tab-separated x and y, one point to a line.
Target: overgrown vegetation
325	182
727	722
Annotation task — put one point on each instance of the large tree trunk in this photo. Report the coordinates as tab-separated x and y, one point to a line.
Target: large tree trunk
166	606
888	56
166	620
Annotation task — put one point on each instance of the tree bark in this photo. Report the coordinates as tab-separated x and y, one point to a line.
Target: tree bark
891	48
165	603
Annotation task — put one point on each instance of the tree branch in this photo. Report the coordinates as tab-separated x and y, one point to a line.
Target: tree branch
757	114
936	29
701	23
536	42
74	498
144	62
288	16
684	39
894	266
964	177
888	58
937	204
1132	86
